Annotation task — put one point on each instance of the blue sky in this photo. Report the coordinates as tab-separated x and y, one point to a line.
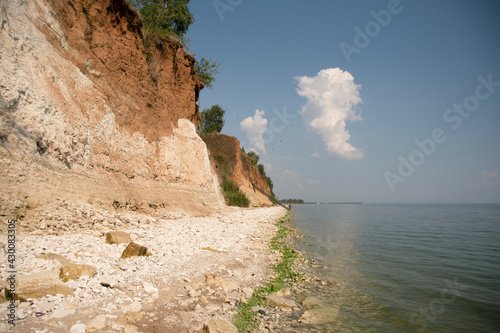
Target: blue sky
347	87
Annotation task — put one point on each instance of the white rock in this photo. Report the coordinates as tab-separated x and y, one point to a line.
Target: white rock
78	328
149	288
61	313
132	307
97	323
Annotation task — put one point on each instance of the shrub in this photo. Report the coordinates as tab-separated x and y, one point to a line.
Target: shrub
233	194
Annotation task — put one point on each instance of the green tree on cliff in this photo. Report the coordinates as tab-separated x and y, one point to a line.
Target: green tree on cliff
206	70
212	120
164	18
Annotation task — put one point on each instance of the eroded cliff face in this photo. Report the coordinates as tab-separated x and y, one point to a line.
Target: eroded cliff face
83	117
230	162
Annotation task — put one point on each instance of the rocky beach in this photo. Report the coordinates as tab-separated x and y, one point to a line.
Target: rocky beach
195	270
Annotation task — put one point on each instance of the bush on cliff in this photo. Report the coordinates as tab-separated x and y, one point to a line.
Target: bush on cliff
164	18
233	194
212	120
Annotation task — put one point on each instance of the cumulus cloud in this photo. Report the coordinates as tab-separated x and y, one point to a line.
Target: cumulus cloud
255	127
332	97
292	177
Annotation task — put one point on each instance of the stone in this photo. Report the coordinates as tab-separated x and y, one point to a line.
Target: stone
117	237
134	249
214	280
97	323
276	300
131	329
219	326
149	288
248	292
78	328
38	285
133	317
72	271
132	307
53	256
61	313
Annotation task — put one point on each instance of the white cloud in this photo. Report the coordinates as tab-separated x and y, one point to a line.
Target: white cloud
486	180
292	177
332	97
315	154
255	127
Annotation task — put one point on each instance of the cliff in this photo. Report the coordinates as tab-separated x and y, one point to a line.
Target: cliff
231	162
84	116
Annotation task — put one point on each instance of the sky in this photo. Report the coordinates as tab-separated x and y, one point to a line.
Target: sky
375	101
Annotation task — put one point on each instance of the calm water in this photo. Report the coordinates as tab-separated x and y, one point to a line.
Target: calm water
407	268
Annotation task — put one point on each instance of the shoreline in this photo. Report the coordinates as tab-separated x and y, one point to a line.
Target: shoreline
200	269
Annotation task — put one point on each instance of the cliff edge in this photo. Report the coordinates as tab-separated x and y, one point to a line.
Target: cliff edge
84	116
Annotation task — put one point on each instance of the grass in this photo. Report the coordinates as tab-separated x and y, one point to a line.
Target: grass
285	274
233	194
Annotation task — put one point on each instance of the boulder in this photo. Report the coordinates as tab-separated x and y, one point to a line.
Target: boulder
97	323
219	326
117	237
38	285
53	256
78	328
134	249
72	271
276	300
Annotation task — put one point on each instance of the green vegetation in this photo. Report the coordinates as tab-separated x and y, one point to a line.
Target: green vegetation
233	194
164	18
211	120
285	275
206	70
254	157
293	201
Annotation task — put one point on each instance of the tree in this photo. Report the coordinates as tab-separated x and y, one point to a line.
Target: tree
212	120
254	157
164	18
206	70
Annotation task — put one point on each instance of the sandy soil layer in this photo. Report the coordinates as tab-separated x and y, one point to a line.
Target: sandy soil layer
200	269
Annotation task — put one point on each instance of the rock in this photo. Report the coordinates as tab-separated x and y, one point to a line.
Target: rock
131	329
40	284
117	237
149	288
97	323
61	313
248	292
72	271
132	307
134	249
53	256
133	317
319	316
214	280
78	328
276	300
219	326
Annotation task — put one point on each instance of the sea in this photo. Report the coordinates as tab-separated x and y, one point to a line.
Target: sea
404	267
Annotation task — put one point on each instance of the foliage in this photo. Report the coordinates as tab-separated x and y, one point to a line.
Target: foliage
254	157
206	70
233	194
212	120
285	274
164	18
293	201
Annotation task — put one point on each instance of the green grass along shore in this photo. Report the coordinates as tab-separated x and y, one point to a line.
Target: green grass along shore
285	275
